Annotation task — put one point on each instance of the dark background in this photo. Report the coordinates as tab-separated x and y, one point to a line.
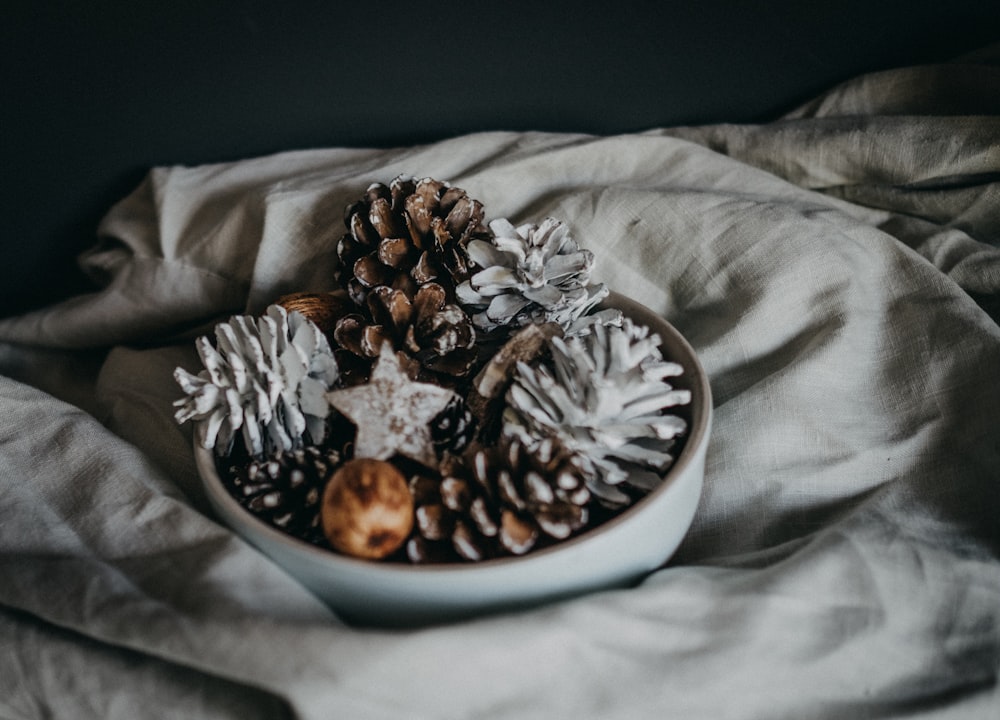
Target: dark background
94	93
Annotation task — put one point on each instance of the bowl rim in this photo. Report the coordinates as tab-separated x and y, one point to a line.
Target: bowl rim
698	428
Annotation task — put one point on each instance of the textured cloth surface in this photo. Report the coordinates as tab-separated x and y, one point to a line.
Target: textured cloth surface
838	273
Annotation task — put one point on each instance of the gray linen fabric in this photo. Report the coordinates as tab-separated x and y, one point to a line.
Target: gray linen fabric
838	272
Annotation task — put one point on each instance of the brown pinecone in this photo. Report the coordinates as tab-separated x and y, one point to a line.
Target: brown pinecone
407	234
496	501
285	489
454	428
440	337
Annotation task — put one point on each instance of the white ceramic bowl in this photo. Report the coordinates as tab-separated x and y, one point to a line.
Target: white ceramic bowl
618	553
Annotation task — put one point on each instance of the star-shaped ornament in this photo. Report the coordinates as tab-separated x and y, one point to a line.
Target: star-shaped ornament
392	412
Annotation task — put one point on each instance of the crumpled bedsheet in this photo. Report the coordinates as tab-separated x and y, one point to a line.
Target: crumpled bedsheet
838	272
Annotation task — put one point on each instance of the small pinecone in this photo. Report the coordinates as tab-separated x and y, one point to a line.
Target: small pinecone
438	335
529	274
286	489
502	500
453	428
407	234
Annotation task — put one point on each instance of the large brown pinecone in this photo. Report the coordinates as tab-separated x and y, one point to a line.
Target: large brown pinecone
438	335
406	234
285	489
496	501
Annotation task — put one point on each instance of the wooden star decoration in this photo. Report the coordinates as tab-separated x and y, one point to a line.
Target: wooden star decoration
392	412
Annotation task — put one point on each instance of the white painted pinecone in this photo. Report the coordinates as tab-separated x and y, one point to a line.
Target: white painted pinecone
267	377
530	274
603	395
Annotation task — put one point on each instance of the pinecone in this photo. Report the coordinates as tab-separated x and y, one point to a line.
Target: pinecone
267	377
605	396
529	274
498	500
454	428
285	489
439	336
488	388
407	234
